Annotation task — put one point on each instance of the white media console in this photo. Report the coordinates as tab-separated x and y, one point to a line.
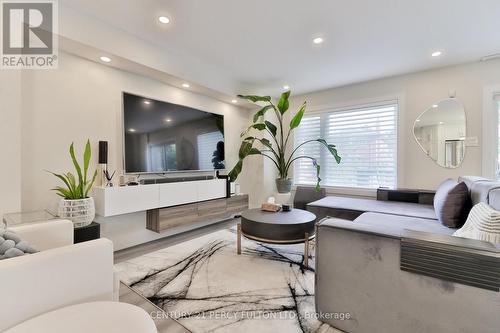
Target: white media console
112	201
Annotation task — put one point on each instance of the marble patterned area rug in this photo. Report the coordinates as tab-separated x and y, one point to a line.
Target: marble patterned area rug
208	287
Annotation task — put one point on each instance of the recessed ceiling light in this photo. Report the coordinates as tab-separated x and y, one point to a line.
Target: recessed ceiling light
131	130
164	19
441	123
418	120
286	87
318	40
234	101
436	53
168	120
186	85
105	59
147	102
434	106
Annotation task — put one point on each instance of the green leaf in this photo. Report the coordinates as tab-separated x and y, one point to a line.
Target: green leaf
72	182
266	142
255	98
261	113
283	103
90	184
63	192
235	172
86	160
244	149
331	149
77	167
61	177
254	151
295	122
270	126
259	126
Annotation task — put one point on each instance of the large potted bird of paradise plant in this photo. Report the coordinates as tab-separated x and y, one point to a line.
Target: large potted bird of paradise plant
275	146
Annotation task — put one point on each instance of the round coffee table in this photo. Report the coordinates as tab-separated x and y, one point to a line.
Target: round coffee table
293	227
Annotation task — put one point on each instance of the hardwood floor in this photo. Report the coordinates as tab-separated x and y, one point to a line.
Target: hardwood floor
127	295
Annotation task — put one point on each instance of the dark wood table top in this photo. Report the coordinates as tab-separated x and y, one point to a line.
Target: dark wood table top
294	216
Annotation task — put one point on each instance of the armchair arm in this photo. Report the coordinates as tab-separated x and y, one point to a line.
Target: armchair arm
461	260
51	279
46	235
466	261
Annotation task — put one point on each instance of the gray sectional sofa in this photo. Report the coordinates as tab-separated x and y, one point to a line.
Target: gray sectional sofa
390	266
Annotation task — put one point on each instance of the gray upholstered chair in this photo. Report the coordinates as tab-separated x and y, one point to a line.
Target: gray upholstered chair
305	195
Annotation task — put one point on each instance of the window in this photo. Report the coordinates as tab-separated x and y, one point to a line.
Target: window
366	139
162	157
207	149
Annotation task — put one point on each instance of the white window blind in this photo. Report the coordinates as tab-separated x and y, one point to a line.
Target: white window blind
207	144
366	139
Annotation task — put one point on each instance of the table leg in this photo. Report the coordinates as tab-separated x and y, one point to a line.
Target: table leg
306	250
238	238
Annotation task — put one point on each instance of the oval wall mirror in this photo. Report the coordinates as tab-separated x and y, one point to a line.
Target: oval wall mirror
440	132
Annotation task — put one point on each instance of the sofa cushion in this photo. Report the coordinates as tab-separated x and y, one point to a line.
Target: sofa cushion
483	224
393	225
450	202
480	191
494	199
469	180
376	206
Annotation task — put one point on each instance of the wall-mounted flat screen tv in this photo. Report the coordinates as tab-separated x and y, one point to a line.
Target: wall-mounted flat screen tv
162	137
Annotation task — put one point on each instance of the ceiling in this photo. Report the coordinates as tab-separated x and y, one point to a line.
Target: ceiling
260	45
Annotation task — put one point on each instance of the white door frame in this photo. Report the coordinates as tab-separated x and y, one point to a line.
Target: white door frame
490	132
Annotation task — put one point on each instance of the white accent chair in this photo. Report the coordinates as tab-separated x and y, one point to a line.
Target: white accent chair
51	289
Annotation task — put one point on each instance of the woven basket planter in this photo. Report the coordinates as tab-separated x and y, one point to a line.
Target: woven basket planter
81	212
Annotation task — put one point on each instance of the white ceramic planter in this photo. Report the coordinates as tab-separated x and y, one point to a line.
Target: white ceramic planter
81	212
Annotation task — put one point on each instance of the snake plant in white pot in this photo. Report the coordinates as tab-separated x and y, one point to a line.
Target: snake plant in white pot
76	205
276	148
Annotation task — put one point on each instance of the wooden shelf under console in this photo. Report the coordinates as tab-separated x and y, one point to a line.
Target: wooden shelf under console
162	219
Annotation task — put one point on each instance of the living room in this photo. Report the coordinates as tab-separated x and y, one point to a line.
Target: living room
236	167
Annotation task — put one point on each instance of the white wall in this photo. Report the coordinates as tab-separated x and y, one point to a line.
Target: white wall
83	99
10	141
416	92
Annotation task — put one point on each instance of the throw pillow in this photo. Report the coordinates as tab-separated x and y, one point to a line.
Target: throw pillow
450	203
483	224
11	245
